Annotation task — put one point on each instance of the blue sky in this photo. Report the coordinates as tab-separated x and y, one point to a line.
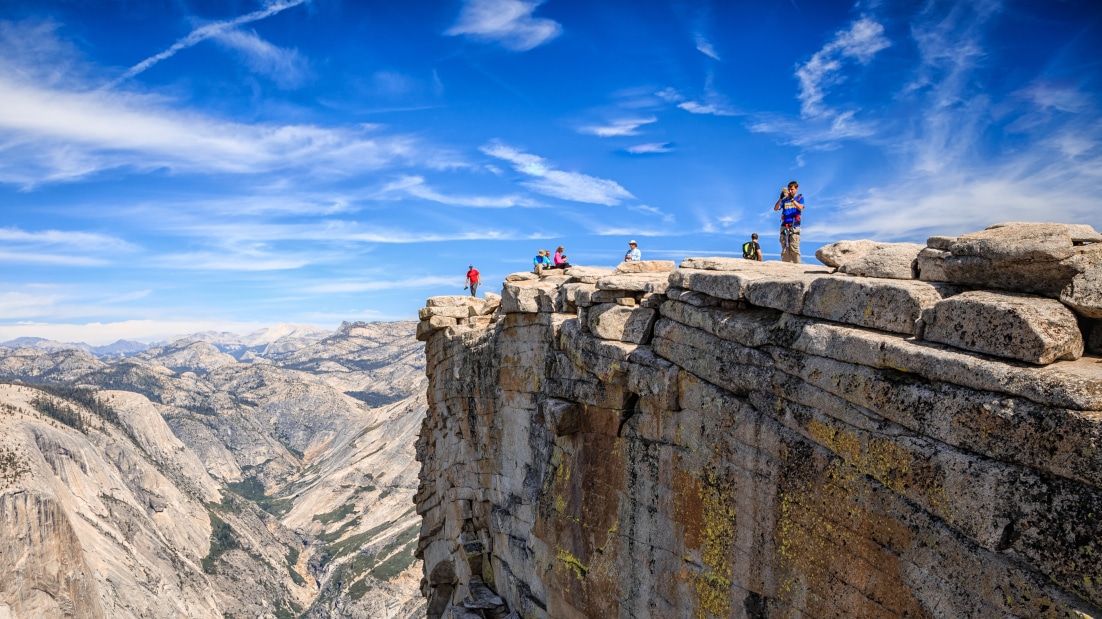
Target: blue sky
173	166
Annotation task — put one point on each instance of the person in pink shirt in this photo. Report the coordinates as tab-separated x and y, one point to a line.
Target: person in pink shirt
558	261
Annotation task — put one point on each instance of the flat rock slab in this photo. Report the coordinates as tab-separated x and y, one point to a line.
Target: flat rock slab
781	292
742	264
521	276
730	285
588	275
611	321
646	266
1038	258
885	304
635	282
1003	324
461	311
456	300
1084	293
888	260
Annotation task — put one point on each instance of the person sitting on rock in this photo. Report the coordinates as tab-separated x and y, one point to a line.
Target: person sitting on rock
633	255
541	261
559	260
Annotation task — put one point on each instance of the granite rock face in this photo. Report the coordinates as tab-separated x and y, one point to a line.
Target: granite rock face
871	259
1035	258
778	441
1006	324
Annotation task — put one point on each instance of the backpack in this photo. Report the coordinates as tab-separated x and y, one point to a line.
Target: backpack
748	251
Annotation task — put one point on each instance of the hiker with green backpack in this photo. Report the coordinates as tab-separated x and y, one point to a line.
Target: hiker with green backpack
751	250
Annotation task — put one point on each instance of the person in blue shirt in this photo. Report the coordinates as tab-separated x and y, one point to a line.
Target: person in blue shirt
633	255
541	261
791	206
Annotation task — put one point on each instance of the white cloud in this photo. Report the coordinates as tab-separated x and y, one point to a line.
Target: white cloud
415	186
374	285
507	22
704	46
57	135
713	104
860	42
650	148
207	31
76	240
572	186
621	127
286	67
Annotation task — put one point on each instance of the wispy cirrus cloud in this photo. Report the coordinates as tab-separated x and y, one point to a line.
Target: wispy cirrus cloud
704	46
573	186
286	67
616	128
948	183
57	134
859	43
364	285
712	104
60	247
650	148
207	31
417	187
821	126
507	22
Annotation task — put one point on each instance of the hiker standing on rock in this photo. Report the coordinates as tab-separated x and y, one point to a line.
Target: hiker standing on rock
791	206
633	255
473	279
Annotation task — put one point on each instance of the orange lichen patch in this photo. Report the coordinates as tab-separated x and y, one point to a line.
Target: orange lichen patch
688	507
717	534
834	550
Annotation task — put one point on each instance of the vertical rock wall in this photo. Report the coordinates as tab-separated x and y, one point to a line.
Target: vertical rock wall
738	439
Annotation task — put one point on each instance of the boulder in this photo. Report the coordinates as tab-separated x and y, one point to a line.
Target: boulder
885	304
489	306
742	264
1038	258
521	276
841	252
635	282
426	328
529	297
588	275
887	260
1006	324
612	321
646	266
1084	293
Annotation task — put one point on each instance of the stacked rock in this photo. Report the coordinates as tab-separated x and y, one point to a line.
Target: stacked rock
1025	291
456	311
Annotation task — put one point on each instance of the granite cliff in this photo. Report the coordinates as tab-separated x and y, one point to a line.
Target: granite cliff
911	431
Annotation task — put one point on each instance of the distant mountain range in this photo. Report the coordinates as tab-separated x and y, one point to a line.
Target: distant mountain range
281	339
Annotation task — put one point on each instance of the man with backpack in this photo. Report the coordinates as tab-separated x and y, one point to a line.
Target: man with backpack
751	250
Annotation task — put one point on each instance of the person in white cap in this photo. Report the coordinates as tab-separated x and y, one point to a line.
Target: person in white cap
633	255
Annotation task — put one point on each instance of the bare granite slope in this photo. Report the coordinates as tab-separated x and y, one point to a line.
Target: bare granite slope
910	432
273	486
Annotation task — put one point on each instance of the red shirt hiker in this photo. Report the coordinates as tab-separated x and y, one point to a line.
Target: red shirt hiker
473	279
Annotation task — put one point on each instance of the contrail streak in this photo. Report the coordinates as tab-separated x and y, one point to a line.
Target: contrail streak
203	33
